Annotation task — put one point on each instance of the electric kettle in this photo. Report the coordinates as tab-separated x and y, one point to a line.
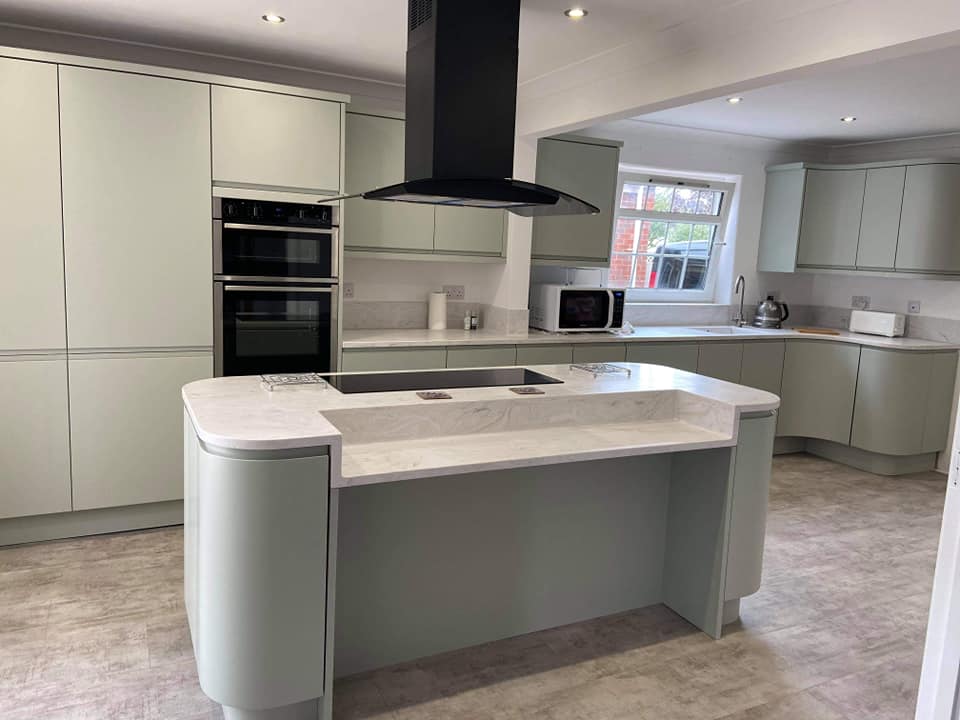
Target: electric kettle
771	314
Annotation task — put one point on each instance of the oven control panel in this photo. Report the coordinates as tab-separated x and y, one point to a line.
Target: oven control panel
264	212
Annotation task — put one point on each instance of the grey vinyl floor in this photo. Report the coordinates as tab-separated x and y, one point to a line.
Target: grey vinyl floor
95	629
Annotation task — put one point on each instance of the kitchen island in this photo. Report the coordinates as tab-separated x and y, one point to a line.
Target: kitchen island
330	533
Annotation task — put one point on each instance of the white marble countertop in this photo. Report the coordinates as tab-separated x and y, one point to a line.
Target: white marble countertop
391	436
370	339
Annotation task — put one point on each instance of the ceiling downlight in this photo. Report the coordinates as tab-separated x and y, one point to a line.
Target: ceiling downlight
273	18
576	13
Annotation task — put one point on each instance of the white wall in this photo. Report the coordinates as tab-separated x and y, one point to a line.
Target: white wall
412	280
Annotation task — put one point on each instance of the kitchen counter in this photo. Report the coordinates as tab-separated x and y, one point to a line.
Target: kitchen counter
440	524
364	339
237	413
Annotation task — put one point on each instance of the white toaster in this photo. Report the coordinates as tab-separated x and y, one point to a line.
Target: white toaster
872	322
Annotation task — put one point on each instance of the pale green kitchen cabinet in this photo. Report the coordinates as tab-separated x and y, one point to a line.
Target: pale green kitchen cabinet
930	220
364	360
721	360
586	168
276	140
544	354
682	356
126	427
31	244
34	437
780	224
375	158
599	352
762	366
136	210
469	231
830	222
476	356
880	222
897	412
818	390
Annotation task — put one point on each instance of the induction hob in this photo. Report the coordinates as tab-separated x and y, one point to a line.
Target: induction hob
438	379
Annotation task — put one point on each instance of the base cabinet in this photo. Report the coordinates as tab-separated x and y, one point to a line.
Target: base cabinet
471	357
34	438
819	386
395	359
126	427
544	354
894	413
762	366
721	361
599	352
682	356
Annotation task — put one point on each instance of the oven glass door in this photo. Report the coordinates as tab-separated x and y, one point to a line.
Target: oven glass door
272	251
283	329
584	309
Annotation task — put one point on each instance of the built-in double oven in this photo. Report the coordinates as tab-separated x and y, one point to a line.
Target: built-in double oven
276	278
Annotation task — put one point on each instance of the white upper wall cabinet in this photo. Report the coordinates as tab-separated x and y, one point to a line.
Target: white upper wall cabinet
275	140
136	209
31	243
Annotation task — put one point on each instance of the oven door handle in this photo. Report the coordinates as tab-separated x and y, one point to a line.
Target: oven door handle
277	288
278	228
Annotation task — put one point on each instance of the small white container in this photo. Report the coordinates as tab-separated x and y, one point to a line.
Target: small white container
437	311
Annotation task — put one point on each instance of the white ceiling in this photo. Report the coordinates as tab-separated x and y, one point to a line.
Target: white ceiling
362	38
907	97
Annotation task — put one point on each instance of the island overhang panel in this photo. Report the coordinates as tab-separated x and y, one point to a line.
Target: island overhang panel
328	534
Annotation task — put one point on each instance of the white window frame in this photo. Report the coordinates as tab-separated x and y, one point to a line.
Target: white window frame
655	295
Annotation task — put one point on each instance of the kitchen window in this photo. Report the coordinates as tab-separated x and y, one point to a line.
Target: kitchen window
667	234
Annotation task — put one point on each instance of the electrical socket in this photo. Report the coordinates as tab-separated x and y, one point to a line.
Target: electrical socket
913	307
347	290
454	292
860	302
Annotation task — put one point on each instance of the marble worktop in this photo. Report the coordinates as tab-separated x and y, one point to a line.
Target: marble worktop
400	338
388	436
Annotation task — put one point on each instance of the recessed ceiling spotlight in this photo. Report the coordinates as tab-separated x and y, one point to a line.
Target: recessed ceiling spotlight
273	18
848	119
575	13
735	100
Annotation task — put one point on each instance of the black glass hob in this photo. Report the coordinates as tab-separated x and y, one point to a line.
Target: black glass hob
438	379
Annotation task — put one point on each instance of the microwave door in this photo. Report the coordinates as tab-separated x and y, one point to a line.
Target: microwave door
584	309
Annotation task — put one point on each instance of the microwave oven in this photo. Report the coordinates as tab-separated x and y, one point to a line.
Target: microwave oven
576	308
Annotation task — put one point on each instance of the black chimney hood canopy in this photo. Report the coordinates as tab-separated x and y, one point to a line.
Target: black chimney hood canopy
461	112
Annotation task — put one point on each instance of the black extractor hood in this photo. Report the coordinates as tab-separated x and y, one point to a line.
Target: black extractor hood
461	112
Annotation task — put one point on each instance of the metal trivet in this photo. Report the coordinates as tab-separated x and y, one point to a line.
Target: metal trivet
527	390
434	395
598	369
272	382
